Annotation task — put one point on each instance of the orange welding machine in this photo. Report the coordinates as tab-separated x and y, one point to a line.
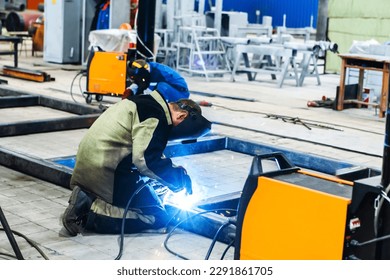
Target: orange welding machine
293	214
107	74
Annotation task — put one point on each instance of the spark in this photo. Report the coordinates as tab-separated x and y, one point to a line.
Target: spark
182	200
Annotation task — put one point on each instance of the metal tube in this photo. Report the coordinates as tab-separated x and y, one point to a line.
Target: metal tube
322	20
11	238
385	179
218	16
145	28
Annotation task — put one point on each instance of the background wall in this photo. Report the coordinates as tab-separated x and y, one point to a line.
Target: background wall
360	20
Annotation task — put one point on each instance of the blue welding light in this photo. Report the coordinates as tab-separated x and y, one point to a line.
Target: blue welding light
181	199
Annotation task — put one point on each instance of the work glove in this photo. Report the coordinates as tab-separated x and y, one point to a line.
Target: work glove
134	88
186	181
130	91
188	184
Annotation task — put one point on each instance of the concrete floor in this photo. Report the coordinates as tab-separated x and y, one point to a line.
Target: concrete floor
240	109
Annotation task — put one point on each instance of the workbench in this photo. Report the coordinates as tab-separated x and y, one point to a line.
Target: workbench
15	41
308	63
364	62
270	59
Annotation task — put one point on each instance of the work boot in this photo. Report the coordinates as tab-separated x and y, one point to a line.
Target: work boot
75	214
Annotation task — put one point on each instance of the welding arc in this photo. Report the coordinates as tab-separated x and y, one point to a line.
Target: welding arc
187	219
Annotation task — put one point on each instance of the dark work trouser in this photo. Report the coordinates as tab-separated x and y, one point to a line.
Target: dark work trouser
130	185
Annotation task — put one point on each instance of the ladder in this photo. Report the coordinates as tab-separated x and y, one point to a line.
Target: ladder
200	50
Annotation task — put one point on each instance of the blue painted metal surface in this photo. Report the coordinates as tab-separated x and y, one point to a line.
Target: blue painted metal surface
68	161
303	160
298	12
206	145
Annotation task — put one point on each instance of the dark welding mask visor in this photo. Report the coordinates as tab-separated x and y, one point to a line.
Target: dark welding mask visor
191	128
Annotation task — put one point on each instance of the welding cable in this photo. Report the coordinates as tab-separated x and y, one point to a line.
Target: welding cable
141	54
122	235
359	244
29	241
118	257
307	121
71	84
317	124
185	220
227	249
297	138
81	76
215	239
378	209
8	255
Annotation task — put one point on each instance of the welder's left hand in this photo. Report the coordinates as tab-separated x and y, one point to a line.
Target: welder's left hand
188	184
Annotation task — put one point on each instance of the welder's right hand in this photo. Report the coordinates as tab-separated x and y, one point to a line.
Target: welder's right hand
130	91
127	93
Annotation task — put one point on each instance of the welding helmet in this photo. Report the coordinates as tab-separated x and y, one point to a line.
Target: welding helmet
194	126
139	73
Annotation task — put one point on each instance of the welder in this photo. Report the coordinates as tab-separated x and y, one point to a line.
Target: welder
120	160
147	76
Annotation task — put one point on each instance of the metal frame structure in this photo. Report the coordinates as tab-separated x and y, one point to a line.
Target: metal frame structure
84	117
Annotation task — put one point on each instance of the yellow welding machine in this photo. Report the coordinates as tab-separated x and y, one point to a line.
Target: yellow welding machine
106	73
291	214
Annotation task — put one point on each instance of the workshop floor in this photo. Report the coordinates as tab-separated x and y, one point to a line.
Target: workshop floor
252	111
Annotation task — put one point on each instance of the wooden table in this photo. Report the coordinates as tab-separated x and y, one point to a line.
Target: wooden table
365	62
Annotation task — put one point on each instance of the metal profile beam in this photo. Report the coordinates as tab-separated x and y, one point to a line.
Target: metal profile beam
19	101
70	107
28	127
39	168
85	115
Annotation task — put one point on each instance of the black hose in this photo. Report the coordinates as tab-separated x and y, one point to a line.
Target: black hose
8	255
359	244
10	236
71	84
377	211
183	221
319	124
227	249
215	240
296	138
122	235
29	241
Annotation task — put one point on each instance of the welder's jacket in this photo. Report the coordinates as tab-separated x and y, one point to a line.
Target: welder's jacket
133	131
160	73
